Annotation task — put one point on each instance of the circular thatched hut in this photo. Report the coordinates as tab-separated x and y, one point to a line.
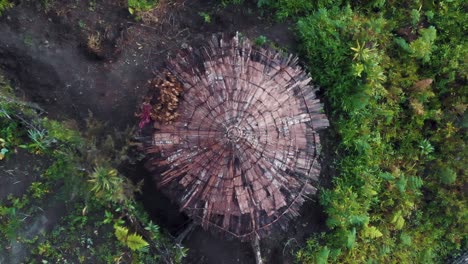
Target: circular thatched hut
234	136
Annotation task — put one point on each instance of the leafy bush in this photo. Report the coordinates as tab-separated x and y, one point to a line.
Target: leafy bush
422	47
107	184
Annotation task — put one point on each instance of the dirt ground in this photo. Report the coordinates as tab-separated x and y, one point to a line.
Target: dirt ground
79	57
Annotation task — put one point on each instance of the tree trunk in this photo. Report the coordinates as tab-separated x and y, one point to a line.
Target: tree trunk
257	251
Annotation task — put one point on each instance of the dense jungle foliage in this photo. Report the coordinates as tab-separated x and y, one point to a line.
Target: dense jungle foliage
395	80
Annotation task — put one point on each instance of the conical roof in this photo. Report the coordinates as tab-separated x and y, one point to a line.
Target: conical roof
241	154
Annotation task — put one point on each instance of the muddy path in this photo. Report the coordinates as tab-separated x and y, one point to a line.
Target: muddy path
82	57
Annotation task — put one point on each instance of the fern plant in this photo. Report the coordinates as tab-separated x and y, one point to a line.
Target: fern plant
133	241
447	175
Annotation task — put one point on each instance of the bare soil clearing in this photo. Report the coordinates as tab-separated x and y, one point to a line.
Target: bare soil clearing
76	57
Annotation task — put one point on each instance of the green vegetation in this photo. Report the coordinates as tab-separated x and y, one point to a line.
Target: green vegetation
136	6
206	17
261	40
287	8
133	241
394	77
103	223
4	5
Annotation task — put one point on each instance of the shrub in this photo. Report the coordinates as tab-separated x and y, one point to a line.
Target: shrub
107	184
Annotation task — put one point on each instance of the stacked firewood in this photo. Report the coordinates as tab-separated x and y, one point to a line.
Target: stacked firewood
162	100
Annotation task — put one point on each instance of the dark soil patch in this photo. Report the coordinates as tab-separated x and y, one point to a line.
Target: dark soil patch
50	55
18	171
